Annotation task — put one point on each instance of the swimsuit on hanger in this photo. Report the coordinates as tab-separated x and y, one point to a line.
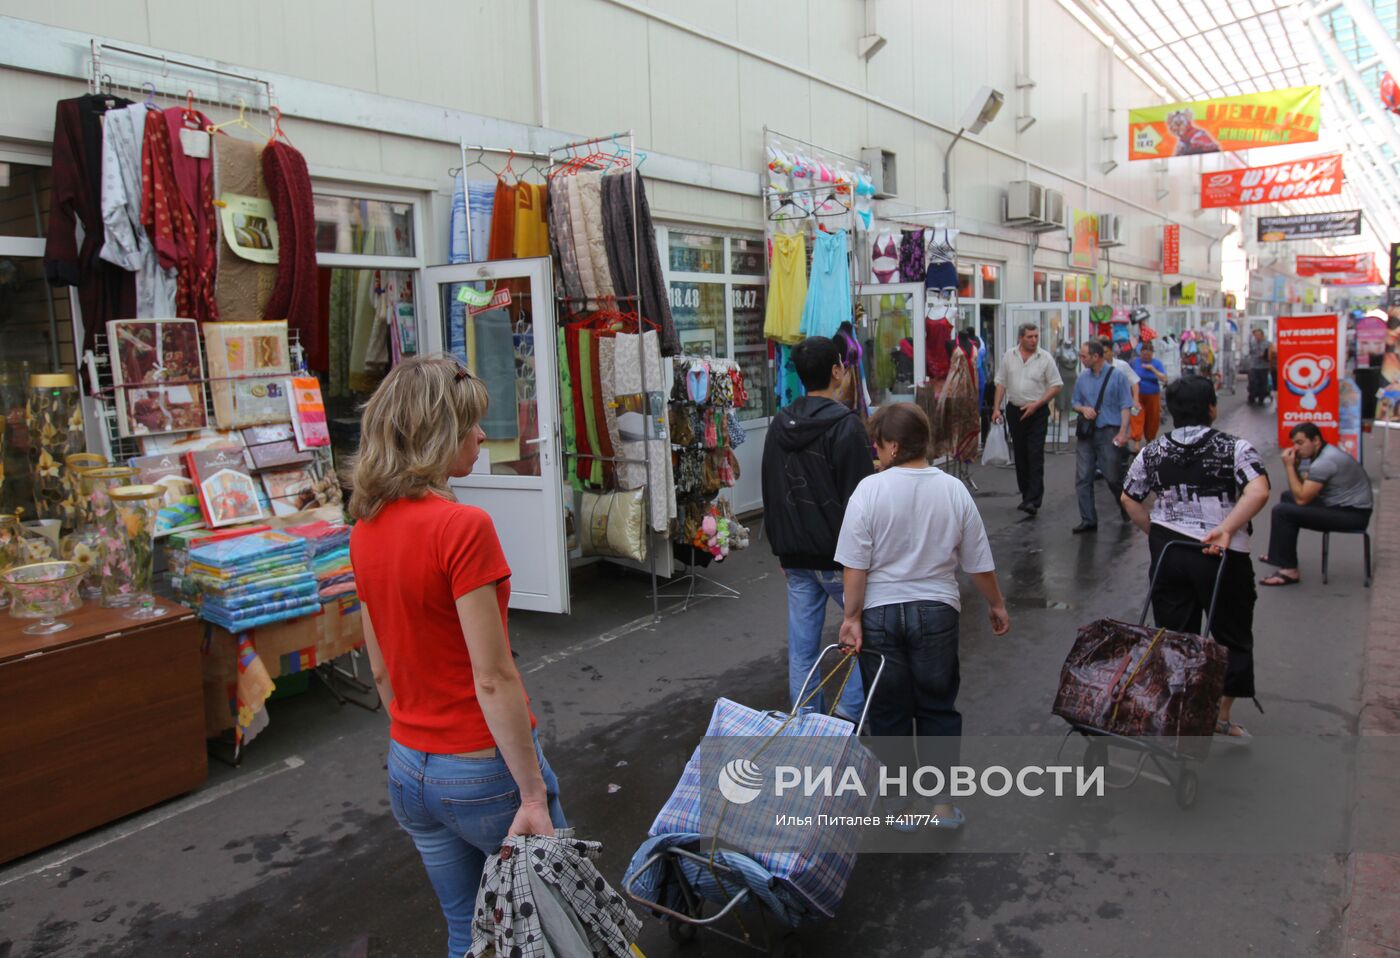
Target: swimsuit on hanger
884	259
942	260
697	382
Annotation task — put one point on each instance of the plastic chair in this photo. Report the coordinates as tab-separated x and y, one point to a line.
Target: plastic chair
1366	545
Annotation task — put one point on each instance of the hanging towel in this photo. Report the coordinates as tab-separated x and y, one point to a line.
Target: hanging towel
495	364
607	381
457	249
128	245
787	288
617	239
828	302
295	295
588	281
531	231
502	242
566	410
646	416
475	209
654	299
242	288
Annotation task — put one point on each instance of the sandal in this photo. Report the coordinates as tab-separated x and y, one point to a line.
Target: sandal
1278	580
1227	730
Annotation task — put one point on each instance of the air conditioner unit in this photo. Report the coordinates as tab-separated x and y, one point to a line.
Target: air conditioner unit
883	171
1025	203
1110	229
1055	210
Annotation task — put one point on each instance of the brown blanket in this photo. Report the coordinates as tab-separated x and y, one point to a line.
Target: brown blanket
241	287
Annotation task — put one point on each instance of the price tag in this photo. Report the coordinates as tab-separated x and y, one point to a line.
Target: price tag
195	143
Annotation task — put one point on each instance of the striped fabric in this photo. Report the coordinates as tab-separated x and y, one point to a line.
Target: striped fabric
814	863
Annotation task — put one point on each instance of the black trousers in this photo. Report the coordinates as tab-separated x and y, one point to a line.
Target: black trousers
1288	518
1183	595
1028	448
1258	385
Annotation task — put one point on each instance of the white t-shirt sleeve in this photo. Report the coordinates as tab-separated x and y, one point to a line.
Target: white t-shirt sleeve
853	545
974	552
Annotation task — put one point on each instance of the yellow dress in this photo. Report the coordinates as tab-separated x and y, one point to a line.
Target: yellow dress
787	289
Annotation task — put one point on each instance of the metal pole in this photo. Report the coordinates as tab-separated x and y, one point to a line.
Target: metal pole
466	196
642	355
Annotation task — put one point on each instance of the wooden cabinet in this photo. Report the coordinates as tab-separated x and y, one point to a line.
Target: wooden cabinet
96	722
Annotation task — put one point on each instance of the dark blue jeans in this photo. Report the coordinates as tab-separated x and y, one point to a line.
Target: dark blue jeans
918	690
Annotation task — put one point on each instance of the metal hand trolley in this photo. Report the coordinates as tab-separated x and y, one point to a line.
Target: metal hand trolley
1173	765
731	880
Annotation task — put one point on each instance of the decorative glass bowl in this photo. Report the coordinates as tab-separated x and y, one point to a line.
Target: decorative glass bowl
43	591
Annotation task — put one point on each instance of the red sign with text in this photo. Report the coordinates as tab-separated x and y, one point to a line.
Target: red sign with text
1372	278
1309	365
1171	248
1279	183
1317	265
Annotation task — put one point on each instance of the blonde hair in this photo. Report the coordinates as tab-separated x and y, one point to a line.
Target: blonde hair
411	430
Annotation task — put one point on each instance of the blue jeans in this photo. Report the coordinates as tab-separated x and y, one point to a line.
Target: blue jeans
458	811
1097	452
918	690
808	591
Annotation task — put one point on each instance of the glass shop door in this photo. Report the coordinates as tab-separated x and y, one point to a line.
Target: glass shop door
498	317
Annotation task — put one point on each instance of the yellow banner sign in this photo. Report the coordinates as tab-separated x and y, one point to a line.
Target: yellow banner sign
1225	124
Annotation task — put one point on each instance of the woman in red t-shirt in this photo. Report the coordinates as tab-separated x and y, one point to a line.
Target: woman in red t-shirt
465	767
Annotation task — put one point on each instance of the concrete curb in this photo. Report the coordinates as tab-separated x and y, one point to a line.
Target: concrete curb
1371	913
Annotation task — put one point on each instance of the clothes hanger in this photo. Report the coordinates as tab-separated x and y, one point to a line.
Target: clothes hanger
788	201
240	120
150	101
190	115
277	132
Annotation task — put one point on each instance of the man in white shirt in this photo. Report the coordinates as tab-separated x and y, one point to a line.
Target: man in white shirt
1027	379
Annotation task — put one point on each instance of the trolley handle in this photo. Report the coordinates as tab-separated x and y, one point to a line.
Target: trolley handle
1214	594
869	693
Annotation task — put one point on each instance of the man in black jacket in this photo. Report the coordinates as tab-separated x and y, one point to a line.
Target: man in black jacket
816	452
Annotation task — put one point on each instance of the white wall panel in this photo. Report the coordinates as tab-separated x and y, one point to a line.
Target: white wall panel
118	19
718	18
598	68
475	56
838	119
778	29
772	97
694	98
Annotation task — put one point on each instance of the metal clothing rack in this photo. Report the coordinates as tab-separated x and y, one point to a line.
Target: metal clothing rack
175	78
563	153
692	578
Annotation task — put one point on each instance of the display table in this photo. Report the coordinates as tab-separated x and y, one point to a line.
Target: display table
96	722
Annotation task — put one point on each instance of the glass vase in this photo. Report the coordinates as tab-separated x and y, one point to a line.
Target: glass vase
135	508
81	545
11	549
55	420
43	591
97	531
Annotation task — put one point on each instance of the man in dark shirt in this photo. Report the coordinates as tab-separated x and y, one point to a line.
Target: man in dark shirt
816	453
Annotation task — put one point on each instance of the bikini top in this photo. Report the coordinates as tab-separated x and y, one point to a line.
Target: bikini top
884	259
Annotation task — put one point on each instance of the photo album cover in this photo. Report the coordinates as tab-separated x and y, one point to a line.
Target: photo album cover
158	375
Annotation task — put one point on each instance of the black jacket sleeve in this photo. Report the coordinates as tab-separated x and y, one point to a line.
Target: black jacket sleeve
851	458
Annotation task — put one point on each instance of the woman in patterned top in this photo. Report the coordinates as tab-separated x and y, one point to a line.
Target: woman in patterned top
1206	487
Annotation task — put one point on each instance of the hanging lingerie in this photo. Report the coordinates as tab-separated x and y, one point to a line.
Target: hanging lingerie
884	259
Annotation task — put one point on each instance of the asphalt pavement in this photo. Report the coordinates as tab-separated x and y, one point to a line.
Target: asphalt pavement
294	854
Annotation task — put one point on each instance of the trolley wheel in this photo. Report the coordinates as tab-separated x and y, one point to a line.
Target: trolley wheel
788	946
1187	787
1095	753
681	932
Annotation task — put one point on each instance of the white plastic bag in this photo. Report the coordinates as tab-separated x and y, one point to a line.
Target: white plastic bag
996	452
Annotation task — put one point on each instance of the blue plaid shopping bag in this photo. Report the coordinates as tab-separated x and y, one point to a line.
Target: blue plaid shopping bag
815	861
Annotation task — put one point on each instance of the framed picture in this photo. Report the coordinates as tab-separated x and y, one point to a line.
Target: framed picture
158	374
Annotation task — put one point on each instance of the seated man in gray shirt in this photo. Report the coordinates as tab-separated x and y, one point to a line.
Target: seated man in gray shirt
1328	491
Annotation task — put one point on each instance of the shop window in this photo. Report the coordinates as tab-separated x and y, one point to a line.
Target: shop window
1039	285
364	227
717	301
1056	288
991	282
24	199
966	282
696	253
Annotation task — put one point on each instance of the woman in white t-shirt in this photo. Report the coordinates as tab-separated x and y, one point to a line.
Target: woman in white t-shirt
907	530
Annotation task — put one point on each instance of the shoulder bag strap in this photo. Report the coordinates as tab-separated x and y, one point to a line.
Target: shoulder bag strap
1102	389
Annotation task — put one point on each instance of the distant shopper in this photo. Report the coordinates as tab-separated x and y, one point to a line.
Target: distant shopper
816	454
1258	366
1148	419
1206	486
1104	402
1028	381
907	532
1328	491
465	766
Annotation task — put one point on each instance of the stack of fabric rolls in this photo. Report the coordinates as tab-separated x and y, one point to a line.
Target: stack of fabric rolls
253	580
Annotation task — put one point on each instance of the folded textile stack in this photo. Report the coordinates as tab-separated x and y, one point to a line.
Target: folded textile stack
328	547
253	580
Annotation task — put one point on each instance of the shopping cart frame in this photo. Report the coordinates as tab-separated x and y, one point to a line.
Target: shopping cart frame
779	942
1173	765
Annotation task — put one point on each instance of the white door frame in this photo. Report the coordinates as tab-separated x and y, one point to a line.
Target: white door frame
527	510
